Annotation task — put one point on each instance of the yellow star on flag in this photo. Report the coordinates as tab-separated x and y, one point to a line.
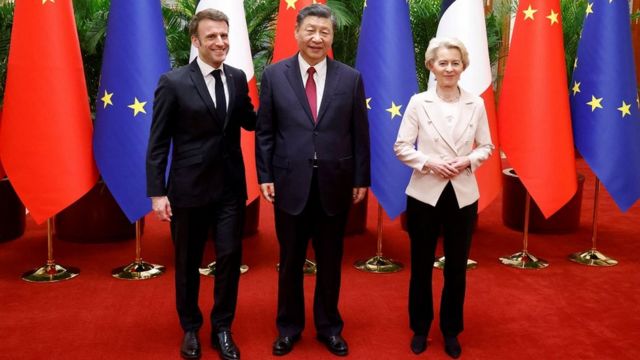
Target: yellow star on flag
291	4
576	87
528	14
394	110
625	109
369	103
106	99
575	63
138	107
45	1
589	9
553	17
595	103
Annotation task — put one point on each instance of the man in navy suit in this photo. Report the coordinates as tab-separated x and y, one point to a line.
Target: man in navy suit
312	154
199	108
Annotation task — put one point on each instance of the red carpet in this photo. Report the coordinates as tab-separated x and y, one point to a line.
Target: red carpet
567	311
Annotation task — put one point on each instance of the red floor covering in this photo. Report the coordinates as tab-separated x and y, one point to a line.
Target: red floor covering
567	311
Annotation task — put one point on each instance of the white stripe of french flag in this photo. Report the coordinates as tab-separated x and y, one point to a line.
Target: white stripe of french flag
465	20
239	56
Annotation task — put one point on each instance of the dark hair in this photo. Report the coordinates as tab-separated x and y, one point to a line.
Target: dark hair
319	10
206	14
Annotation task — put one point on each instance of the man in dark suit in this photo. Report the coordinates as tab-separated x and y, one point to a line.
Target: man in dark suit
199	109
312	154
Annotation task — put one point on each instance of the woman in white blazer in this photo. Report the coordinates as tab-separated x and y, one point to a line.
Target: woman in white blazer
444	137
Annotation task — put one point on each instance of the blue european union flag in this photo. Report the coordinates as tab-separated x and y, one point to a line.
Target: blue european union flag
135	55
386	60
604	101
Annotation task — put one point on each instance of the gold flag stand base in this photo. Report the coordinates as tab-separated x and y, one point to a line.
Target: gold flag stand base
524	260
439	263
210	270
138	270
378	265
309	267
51	272
592	257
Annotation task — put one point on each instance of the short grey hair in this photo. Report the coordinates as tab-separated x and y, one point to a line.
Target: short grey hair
318	10
449	43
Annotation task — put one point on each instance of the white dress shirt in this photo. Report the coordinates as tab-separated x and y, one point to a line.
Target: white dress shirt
206	70
320	77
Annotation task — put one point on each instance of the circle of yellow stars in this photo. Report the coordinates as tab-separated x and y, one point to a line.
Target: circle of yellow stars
394	110
596	102
137	106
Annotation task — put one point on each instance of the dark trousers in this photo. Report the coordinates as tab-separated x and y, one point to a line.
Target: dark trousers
326	234
425	223
189	230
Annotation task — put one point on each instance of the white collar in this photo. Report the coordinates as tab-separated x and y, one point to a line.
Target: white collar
206	69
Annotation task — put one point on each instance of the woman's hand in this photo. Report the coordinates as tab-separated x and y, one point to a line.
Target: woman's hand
443	168
460	163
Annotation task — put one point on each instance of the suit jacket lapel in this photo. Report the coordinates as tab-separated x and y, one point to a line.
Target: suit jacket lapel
295	81
201	86
437	119
330	84
231	88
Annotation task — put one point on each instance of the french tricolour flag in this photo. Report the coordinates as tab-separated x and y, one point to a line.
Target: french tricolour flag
464	19
239	56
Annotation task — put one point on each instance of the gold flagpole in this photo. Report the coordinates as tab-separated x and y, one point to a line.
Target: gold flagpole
593	257
138	269
378	263
523	259
51	272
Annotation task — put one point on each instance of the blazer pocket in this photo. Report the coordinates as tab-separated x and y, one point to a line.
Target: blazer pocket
187	161
184	152
346	163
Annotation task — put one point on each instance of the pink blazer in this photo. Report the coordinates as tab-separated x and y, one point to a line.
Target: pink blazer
423	135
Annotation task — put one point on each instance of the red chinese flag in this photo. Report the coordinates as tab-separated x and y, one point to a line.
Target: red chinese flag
2	173
285	44
45	135
534	118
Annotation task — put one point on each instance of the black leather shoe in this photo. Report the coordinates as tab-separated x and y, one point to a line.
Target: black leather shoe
284	344
190	348
418	344
452	346
336	344
223	342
